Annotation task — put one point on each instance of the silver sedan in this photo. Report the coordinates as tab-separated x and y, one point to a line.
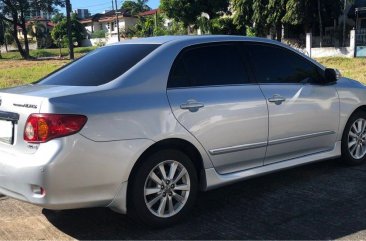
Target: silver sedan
142	126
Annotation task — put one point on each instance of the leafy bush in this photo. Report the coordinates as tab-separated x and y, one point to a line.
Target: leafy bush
99	34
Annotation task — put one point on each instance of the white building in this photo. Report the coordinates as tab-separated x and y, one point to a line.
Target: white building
108	23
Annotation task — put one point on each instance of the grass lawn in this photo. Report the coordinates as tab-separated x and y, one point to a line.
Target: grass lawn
18	72
15	71
352	68
39	53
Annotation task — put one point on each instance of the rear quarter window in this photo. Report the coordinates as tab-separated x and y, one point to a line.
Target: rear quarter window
100	66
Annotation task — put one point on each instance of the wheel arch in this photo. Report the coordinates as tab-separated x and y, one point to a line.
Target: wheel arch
178	144
360	108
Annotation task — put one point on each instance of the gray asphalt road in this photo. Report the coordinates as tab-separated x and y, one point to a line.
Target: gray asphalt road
320	201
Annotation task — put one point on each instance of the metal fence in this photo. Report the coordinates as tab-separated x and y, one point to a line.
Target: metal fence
361	37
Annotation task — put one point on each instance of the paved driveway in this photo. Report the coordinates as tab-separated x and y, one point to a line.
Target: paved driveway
320	201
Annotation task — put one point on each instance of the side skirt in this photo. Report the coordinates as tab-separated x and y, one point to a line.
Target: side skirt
216	180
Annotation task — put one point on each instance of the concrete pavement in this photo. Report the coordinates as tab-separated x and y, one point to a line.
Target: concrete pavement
320	201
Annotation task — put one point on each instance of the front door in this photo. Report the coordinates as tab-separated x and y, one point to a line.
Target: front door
212	97
303	112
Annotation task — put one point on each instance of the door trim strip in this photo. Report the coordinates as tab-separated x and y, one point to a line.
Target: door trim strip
229	149
301	137
244	147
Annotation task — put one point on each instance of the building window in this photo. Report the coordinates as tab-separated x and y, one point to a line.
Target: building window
112	27
363	23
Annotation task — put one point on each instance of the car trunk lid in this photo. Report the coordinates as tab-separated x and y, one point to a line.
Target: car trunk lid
17	104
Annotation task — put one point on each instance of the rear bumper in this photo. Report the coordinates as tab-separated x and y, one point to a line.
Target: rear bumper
74	172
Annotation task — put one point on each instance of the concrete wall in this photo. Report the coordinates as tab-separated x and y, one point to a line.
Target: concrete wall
331	51
99	41
32	46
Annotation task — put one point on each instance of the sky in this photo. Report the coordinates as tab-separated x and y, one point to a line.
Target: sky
97	6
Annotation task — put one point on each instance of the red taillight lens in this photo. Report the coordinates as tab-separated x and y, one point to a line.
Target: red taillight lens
41	128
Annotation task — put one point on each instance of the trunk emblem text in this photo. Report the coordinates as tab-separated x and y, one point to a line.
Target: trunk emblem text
26	106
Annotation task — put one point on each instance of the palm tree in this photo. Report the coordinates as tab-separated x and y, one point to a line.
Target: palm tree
135	7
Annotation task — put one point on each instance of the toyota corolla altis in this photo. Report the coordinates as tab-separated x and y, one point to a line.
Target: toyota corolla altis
142	126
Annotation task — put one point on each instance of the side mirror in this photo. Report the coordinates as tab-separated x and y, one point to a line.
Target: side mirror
332	75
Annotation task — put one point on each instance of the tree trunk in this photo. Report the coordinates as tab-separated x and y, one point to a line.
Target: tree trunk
25	35
69	32
279	32
15	36
320	24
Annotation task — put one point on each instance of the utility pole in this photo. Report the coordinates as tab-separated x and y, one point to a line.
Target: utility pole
344	23
119	37
69	32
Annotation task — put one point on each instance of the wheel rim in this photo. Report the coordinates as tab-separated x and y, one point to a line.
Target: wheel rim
167	188
357	139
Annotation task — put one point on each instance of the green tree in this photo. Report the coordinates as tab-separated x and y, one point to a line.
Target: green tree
225	25
306	12
189	11
312	14
258	17
57	17
275	12
261	16
39	31
59	32
135	7
6	37
146	27
243	14
14	12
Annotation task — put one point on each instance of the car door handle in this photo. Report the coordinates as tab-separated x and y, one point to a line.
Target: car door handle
277	99
192	106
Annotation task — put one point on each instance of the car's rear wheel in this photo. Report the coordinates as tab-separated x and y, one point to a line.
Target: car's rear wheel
163	188
354	139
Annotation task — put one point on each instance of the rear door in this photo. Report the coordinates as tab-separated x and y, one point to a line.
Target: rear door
212	96
303	112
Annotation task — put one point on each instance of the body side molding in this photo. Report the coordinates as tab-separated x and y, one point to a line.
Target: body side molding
215	180
244	147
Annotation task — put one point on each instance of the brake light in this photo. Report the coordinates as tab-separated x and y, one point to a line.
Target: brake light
41	128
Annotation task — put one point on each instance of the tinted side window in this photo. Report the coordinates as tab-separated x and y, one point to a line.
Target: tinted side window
208	65
278	65
100	66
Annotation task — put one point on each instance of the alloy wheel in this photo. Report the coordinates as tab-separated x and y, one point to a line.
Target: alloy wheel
167	189
357	139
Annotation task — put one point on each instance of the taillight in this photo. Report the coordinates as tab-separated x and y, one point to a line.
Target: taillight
41	128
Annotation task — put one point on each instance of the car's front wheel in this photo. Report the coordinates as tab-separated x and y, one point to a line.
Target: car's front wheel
354	139
163	188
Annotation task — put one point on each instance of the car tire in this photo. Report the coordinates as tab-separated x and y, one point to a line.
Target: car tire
157	199
354	139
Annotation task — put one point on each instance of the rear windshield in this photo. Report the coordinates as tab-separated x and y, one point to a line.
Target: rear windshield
100	66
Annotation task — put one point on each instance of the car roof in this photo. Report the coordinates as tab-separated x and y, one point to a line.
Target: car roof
198	39
203	38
